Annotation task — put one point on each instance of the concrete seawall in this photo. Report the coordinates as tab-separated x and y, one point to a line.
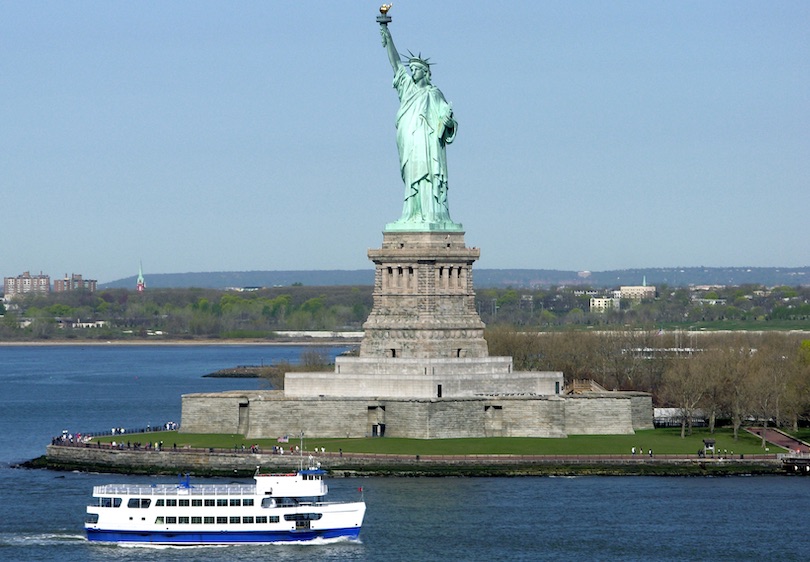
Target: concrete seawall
223	461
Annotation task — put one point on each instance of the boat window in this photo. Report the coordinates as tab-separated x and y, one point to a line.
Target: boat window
182	520
236	502
91	518
273	519
247	519
222	502
222	520
268	502
247	501
109	502
171	520
208	520
303	516
158	520
235	519
196	520
183	503
159	503
139	503
210	503
261	519
171	503
196	503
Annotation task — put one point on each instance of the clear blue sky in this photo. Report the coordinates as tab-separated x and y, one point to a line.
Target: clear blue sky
215	136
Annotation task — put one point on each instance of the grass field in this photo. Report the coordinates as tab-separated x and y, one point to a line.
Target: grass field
661	441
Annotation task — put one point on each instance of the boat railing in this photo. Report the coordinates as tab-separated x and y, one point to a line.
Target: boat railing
169	490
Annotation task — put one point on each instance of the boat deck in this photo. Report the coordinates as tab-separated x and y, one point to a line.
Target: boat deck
175	490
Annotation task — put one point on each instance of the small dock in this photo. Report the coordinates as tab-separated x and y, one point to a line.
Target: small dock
796	463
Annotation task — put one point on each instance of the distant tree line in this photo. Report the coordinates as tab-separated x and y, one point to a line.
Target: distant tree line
216	313
755	305
189	313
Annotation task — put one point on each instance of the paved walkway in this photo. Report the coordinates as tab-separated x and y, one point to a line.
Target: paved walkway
346	458
781	439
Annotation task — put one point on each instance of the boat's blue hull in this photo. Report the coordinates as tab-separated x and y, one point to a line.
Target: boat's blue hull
223	537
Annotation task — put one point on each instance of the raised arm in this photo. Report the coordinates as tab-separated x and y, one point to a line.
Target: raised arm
388	43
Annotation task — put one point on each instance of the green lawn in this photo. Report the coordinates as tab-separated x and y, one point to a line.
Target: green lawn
803	434
661	441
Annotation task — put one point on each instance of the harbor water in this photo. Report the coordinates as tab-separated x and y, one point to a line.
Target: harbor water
48	389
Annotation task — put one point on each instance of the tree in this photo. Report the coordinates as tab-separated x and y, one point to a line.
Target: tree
714	398
765	383
798	383
524	348
731	358
684	388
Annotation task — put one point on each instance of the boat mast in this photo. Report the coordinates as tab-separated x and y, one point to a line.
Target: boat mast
301	453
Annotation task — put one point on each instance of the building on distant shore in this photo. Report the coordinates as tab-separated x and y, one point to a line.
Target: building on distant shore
74	283
603	304
24	284
638	292
141	284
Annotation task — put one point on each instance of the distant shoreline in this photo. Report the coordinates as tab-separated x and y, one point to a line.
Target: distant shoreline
287	342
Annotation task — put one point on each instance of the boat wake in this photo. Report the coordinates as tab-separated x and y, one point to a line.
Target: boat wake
321	540
39	539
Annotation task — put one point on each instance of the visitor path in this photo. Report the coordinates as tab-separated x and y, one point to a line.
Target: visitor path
781	439
339	457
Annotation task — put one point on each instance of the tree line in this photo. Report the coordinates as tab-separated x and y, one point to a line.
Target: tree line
754	305
228	314
188	313
733	378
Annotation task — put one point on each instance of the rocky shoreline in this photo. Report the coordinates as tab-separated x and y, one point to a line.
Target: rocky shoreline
223	462
238	372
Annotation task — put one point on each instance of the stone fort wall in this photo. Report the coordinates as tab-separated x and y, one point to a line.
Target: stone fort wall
268	414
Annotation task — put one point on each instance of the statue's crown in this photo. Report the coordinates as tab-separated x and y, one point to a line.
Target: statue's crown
418	59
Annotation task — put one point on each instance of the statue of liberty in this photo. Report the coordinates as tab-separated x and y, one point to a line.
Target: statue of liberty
425	125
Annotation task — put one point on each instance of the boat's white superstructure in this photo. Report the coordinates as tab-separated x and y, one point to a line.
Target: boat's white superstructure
277	507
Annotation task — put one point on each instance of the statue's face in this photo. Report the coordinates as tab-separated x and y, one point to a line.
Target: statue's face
419	74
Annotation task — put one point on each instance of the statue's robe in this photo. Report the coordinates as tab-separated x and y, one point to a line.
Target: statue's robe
421	140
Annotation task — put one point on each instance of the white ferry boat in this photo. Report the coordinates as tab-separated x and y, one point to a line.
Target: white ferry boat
277	508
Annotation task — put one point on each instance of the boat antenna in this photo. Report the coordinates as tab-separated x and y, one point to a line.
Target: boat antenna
301	453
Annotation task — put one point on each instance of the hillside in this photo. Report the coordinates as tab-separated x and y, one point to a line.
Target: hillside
488	278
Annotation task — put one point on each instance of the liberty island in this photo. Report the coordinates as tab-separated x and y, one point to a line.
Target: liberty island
423	370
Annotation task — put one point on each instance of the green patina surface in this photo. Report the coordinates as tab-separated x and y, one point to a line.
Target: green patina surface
425	126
